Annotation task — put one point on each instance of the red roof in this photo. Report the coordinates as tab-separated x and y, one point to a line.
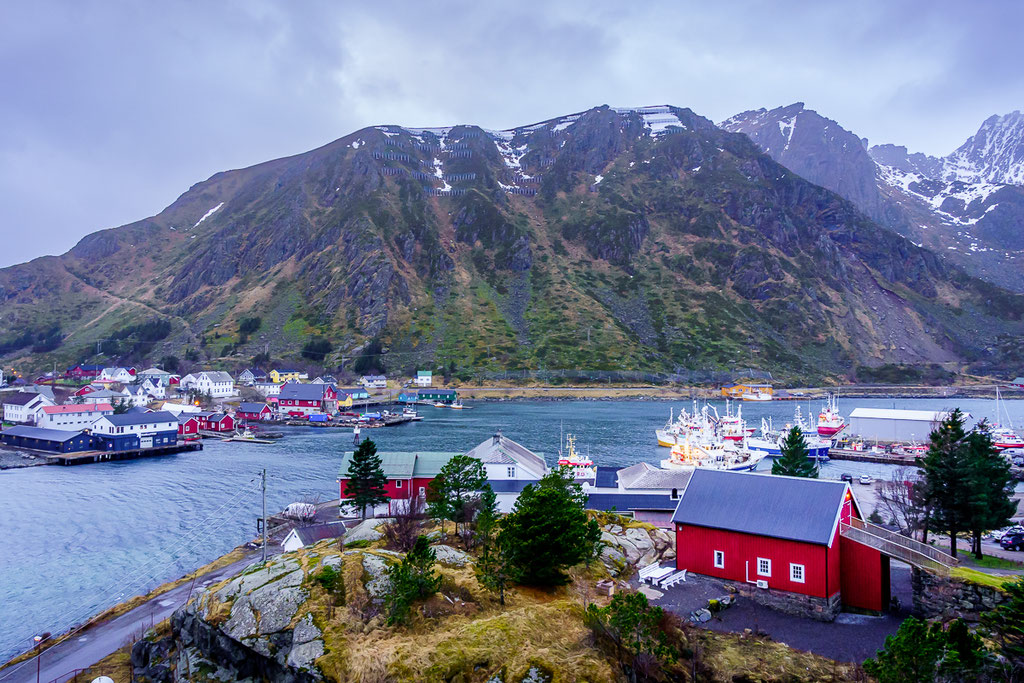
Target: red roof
75	408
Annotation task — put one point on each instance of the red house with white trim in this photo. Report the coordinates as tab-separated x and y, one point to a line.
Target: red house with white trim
254	412
188	425
300	400
781	540
408	474
215	422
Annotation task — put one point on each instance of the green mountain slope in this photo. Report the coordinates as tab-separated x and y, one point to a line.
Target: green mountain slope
611	239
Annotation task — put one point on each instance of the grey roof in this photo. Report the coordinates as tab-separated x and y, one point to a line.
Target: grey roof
631	501
185	417
766	505
645	476
130	419
246	407
510	485
104	393
43	389
60	435
303	392
218	376
397	465
154	371
319	532
499	449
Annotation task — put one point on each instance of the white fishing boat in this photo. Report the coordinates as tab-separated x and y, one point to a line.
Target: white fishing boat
692	453
247	436
756	396
770	439
582	467
1004	436
411	414
830	422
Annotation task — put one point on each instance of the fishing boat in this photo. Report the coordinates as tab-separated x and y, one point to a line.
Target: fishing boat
692	453
1004	436
582	467
770	440
246	436
411	414
830	422
733	427
756	396
457	405
440	405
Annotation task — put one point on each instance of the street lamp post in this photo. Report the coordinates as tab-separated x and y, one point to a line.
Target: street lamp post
38	640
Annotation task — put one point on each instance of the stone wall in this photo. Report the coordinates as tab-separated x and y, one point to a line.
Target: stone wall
939	597
820	609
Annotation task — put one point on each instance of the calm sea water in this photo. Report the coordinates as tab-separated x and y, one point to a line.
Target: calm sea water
77	540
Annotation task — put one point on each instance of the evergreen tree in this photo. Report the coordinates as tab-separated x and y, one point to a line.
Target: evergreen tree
121	407
366	485
487	515
946	469
990	503
451	490
410	580
922	653
793	461
548	530
1005	624
494	569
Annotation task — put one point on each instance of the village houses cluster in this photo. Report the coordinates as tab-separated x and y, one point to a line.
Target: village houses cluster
97	408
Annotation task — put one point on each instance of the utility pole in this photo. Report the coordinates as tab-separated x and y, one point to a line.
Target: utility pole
263	477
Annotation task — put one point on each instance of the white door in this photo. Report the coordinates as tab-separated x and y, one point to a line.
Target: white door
146	441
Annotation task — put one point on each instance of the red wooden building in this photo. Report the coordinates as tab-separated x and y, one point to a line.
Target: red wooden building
81	372
408	474
300	400
215	422
254	412
188	425
781	539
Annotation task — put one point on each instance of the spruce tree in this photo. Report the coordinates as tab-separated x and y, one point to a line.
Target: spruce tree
456	483
946	469
366	485
990	503
793	461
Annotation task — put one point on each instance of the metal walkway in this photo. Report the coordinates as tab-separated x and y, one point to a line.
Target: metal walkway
913	552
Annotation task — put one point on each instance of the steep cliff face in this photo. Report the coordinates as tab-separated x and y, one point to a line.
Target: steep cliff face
612	238
967	206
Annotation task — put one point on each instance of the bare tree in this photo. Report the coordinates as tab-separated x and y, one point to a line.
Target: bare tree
400	534
899	498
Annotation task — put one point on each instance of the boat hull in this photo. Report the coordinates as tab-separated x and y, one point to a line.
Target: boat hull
819	452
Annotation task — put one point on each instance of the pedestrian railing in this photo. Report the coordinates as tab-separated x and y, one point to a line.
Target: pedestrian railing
908	550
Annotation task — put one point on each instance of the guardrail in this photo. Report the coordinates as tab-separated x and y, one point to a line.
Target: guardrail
898	549
913	543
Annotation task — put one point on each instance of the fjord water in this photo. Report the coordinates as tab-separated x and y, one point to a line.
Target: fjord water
79	539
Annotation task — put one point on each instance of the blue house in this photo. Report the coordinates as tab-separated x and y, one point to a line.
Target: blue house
53	440
408	397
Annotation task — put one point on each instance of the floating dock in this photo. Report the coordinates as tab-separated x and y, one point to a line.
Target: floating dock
86	457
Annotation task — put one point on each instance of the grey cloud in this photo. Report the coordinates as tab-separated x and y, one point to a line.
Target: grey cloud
112	109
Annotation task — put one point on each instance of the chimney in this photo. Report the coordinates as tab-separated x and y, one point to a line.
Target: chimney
497	437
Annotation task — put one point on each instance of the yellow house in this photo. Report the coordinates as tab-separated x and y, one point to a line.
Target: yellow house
740	390
282	376
344	400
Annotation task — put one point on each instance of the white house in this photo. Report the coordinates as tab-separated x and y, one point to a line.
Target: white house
73	416
107	396
300	537
267	388
116	375
22	407
510	467
251	376
153	429
374	381
216	384
423	378
157	376
142	393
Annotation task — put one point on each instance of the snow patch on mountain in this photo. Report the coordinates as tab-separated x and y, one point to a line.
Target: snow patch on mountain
207	215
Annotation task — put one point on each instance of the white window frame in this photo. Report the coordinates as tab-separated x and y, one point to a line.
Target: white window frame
719	559
768	569
399	484
511	472
795	569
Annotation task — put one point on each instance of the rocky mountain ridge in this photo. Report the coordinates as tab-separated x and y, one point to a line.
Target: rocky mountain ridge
969	204
641	238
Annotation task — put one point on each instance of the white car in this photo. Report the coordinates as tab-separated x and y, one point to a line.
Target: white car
998	534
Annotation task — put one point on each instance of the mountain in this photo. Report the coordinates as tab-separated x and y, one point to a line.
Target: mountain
642	238
968	205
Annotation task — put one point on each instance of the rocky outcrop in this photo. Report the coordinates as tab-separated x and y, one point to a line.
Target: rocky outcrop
629	546
941	597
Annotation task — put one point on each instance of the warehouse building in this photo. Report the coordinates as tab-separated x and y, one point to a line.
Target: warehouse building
890	424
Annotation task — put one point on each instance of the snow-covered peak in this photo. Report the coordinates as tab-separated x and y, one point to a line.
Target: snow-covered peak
994	154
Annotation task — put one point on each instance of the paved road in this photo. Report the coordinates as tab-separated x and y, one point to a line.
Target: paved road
90	646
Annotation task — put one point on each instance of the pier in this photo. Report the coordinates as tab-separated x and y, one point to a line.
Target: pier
867	456
86	457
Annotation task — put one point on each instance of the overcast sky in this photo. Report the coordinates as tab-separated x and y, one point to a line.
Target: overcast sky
110	110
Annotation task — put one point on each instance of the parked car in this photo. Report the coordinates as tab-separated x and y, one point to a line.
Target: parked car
1012	541
846	476
999	533
867	479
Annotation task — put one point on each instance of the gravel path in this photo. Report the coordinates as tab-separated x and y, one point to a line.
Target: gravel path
850	638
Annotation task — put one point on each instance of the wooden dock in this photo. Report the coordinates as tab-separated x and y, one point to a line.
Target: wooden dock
86	457
867	456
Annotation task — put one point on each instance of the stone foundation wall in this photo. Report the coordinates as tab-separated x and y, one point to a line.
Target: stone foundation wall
939	597
820	609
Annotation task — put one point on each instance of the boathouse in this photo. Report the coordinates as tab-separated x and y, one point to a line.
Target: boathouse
53	440
300	400
409	396
408	474
891	424
783	541
188	425
215	421
137	430
439	395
